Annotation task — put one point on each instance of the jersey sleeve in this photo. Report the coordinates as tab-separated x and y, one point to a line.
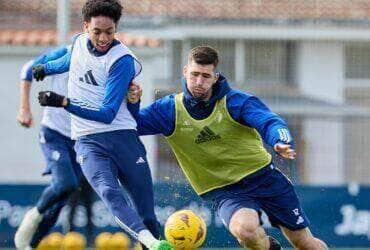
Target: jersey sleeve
157	118
26	72
249	110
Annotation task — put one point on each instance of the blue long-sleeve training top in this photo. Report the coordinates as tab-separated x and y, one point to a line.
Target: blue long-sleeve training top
248	110
116	87
51	55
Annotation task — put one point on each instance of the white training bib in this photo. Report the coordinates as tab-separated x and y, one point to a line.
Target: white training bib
88	76
54	118
58	119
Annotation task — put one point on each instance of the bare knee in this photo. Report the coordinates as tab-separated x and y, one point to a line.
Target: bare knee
244	225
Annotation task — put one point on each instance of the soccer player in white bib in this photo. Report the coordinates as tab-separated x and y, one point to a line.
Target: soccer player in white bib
57	147
107	144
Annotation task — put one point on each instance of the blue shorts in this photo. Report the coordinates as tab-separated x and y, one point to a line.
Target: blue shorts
269	190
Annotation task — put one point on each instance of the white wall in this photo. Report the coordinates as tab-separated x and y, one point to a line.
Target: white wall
324	152
20	156
320	74
320	70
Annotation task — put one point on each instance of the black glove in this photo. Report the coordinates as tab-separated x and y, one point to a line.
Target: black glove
50	98
38	72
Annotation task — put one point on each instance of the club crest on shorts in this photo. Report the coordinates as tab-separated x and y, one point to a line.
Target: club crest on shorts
80	160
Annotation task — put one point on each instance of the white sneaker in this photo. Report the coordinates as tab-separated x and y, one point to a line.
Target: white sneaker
27	229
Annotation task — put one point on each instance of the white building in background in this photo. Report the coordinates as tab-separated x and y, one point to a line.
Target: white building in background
309	60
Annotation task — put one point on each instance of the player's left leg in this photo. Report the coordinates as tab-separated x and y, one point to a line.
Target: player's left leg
136	177
97	153
281	204
303	239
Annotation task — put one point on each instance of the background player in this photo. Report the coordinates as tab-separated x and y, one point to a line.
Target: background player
57	147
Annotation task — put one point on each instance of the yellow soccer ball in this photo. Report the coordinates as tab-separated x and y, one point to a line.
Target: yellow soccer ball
74	241
185	230
119	241
54	241
102	241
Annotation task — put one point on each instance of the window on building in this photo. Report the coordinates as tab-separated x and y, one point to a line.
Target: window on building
269	62
357	61
176	60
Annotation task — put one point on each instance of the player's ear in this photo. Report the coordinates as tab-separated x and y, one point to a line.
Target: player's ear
185	70
86	26
217	76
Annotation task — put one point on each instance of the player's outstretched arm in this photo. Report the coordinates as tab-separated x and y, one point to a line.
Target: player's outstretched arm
52	67
24	116
157	118
251	111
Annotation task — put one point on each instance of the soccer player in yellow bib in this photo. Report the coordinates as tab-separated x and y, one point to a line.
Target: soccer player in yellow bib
217	135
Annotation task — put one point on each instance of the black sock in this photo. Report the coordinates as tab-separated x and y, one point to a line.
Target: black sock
274	244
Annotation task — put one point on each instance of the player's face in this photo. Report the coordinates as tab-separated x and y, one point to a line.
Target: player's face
101	31
200	79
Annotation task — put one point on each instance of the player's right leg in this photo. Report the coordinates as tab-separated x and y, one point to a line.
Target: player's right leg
55	148
245	226
49	219
101	172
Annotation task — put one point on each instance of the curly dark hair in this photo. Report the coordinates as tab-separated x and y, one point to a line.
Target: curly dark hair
108	8
204	55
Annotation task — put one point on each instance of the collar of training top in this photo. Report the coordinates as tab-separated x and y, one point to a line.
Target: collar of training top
95	52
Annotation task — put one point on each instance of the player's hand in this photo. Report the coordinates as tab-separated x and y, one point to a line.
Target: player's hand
24	118
38	72
52	99
134	93
285	150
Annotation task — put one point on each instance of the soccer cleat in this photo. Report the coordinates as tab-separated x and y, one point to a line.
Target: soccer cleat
274	244
162	245
27	229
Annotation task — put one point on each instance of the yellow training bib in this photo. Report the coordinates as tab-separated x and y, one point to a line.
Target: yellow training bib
216	151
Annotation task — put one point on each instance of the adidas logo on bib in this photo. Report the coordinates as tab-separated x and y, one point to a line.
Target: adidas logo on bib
206	134
140	160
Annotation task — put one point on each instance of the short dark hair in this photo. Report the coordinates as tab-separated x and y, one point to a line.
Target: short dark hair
204	55
108	8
